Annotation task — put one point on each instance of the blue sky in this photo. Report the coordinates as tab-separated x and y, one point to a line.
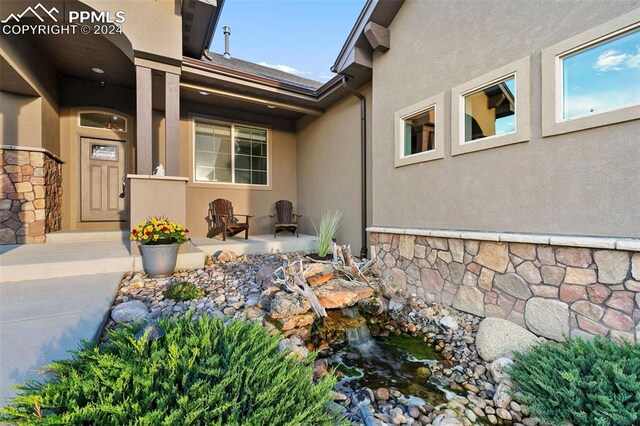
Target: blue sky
303	37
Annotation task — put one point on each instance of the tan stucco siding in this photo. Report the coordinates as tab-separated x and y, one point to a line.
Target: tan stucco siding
152	26
329	167
256	202
585	183
20	120
29	63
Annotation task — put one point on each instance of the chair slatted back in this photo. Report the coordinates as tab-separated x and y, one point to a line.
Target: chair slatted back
284	211
222	208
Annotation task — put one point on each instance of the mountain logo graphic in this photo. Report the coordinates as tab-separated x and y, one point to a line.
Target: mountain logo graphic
33	11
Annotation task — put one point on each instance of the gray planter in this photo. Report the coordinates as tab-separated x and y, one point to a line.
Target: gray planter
159	261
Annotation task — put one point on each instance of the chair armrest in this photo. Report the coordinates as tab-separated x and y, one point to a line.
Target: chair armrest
297	215
272	215
247	215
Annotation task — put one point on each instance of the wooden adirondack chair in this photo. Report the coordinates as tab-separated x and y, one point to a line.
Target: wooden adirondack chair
221	219
285	218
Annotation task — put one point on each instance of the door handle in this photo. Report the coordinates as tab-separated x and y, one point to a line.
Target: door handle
124	185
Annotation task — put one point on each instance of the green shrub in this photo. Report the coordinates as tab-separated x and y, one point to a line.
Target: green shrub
183	291
329	224
200	373
593	383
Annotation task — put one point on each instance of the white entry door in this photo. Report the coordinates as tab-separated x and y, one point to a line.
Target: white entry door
102	171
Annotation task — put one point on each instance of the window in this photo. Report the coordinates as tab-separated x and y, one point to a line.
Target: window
229	153
103	120
419	135
491	110
592	79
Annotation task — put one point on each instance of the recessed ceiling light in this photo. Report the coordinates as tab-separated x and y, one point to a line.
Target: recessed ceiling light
97	70
203	93
271	106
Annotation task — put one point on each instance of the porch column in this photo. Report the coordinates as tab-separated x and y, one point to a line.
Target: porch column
172	123
143	121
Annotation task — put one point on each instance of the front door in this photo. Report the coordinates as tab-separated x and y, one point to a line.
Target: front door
102	172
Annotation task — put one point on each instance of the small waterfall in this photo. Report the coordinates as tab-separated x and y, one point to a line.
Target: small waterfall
359	336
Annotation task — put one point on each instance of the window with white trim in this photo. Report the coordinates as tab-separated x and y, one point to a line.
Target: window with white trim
593	78
230	153
491	110
419	135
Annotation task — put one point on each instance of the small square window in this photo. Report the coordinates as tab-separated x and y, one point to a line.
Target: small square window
491	110
419	135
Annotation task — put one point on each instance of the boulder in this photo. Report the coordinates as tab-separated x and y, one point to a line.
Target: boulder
224	256
131	311
340	293
499	338
288	305
374	305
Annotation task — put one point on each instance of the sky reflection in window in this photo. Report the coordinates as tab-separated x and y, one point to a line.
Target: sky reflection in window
603	77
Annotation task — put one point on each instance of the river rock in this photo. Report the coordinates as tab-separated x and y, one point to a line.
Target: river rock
446	420
396	416
498	368
502	397
375	305
449	322
340	293
131	311
498	338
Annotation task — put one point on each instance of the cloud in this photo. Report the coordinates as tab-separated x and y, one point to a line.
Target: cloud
634	60
610	60
285	68
598	101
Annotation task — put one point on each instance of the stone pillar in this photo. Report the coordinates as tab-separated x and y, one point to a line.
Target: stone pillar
30	194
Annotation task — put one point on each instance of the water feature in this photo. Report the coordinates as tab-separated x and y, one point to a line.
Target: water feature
401	362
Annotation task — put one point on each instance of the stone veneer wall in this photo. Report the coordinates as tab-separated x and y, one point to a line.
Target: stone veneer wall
554	291
30	195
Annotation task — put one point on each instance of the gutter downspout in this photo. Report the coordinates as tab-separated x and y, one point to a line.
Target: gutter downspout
363	162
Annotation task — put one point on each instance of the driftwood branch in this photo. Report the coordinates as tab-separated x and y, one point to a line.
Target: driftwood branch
295	282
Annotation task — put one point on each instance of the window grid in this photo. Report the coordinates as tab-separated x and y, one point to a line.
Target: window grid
247	163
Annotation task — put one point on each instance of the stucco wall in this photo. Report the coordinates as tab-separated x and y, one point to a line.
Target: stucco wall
20	122
151	26
584	183
256	202
329	167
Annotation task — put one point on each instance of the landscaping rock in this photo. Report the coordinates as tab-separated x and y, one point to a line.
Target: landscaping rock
340	293
223	256
446	420
373	305
287	305
132	311
498	368
548	318
318	273
499	338
449	322
502	397
265	275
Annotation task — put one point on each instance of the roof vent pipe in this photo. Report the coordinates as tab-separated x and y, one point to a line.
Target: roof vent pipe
227	33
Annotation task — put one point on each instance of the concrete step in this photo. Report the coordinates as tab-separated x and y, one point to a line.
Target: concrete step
86	236
258	244
53	260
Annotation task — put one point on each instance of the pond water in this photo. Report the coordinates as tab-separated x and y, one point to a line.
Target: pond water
402	362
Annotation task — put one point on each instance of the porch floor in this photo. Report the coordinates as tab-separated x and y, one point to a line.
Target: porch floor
68	254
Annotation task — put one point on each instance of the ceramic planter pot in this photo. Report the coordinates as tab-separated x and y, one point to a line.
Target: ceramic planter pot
159	260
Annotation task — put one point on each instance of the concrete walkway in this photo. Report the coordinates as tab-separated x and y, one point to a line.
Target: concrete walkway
41	320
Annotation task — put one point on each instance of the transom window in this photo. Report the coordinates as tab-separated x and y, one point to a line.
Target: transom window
490	111
230	153
103	120
602	77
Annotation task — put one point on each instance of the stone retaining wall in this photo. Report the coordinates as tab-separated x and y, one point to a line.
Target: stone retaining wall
30	195
554	291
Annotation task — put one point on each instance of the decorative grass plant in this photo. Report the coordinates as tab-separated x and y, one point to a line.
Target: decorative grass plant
199	373
595	383
329	224
183	291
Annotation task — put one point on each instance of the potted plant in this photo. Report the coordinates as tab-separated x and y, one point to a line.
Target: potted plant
159	240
